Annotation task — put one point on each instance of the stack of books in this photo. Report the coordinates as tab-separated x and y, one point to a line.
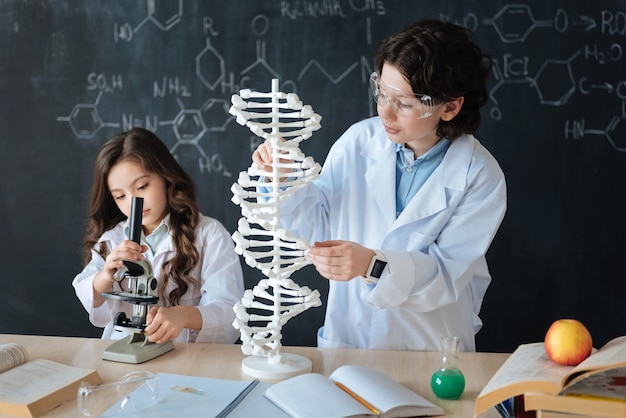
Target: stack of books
529	384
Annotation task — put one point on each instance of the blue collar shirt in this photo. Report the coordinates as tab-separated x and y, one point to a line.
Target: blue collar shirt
412	173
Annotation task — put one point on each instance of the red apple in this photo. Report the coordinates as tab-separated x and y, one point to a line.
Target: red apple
568	342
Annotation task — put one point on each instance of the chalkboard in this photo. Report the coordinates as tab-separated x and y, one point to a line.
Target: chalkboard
75	73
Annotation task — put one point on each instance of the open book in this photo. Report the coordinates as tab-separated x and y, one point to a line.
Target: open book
601	394
32	388
350	391
530	370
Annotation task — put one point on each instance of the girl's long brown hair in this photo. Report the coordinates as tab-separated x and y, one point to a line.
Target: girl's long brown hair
145	148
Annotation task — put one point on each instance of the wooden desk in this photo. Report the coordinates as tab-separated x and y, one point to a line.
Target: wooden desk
411	368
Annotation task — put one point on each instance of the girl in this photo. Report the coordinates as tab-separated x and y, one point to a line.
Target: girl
408	202
198	272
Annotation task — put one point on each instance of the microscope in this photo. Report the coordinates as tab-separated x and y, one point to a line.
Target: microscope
142	293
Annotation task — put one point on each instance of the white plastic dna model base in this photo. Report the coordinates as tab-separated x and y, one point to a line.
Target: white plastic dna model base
285	122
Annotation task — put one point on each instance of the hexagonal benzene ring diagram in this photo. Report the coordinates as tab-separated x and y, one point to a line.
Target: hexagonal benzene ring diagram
165	14
216	111
85	120
189	126
210	67
513	22
559	82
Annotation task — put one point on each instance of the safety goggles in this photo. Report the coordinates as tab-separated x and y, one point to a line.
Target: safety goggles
405	104
133	393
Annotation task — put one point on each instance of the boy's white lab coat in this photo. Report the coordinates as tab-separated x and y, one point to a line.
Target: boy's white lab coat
437	275
218	270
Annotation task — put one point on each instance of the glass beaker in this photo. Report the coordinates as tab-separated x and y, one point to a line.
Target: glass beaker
447	382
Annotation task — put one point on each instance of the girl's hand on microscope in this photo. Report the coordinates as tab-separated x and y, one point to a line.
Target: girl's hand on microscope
127	250
104	279
164	324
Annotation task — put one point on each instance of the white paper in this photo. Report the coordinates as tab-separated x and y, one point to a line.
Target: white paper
381	391
206	397
312	395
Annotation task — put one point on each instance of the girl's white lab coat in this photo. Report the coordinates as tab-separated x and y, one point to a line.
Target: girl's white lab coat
218	270
437	275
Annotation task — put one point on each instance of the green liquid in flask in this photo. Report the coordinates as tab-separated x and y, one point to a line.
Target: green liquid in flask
448	383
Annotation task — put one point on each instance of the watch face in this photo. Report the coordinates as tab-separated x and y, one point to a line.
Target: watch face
377	268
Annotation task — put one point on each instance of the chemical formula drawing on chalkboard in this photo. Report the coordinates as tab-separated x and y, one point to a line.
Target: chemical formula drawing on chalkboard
554	81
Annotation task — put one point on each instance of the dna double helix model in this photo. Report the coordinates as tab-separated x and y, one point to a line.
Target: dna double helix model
282	119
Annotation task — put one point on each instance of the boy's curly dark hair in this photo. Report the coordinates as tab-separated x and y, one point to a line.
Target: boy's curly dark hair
441	59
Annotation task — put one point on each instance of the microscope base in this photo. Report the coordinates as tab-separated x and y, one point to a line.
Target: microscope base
135	349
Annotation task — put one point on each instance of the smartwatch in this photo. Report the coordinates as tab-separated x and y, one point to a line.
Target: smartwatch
375	269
